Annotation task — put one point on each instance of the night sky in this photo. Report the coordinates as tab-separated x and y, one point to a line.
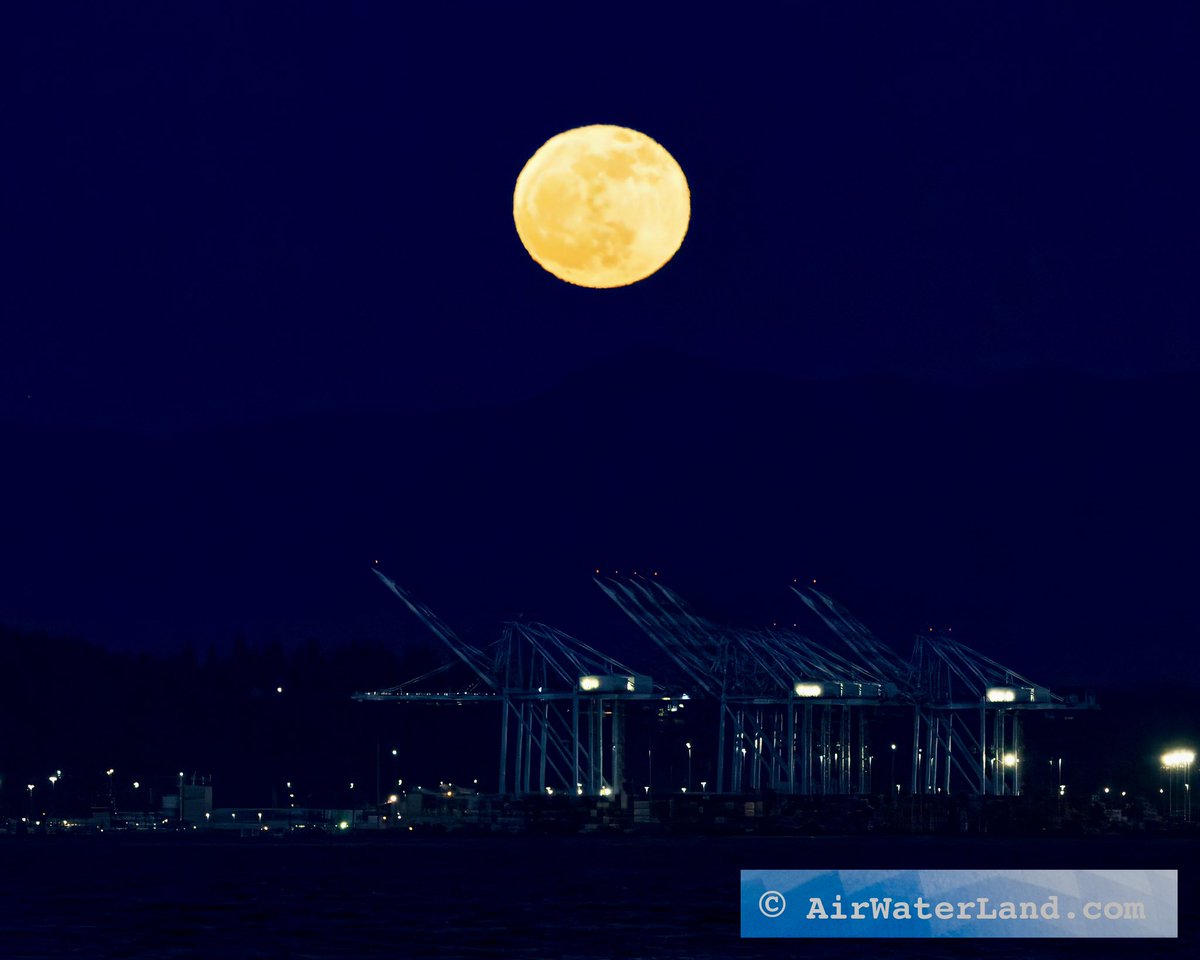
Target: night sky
932	335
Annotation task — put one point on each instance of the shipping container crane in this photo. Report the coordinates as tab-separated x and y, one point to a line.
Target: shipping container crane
562	702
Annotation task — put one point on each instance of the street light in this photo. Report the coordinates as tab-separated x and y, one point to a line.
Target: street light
689	750
1182	760
29	786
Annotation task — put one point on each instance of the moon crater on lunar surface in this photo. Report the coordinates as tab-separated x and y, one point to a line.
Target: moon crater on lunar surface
601	206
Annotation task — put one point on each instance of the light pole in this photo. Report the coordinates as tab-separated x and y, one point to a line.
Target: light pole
689	750
111	806
893	780
1180	760
53	778
29	786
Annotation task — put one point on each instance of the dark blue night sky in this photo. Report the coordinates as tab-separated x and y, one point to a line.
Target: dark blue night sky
932	335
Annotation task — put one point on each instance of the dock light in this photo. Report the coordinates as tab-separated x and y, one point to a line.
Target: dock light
806	688
136	785
393	798
343	825
1001	695
588	684
1010	759
1178	758
605	791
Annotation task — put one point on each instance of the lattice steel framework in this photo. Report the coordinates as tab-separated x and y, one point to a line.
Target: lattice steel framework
793	714
562	702
798	712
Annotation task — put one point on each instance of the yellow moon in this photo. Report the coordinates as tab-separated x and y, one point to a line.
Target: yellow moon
601	206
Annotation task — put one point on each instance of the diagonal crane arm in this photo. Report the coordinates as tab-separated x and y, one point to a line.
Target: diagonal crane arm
854	633
473	657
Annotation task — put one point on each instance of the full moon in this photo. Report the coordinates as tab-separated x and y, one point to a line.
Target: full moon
601	206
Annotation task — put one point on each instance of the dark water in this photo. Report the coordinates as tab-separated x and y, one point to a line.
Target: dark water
492	897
